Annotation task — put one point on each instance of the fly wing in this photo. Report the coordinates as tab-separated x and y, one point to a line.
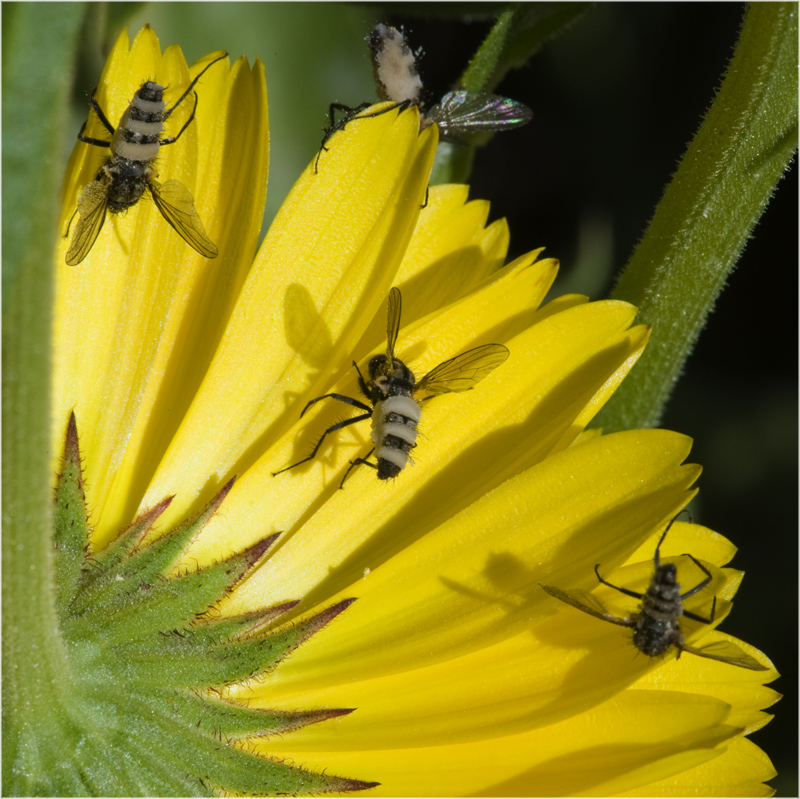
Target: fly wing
727	652
92	205
462	112
393	321
175	202
464	371
588	603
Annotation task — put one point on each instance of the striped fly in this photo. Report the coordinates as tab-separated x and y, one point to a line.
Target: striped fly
656	626
129	171
391	390
458	114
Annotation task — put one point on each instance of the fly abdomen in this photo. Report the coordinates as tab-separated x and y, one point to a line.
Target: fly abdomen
394	433
137	135
134	146
657	627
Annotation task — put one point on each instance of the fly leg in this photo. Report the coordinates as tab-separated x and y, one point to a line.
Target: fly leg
332	428
357	462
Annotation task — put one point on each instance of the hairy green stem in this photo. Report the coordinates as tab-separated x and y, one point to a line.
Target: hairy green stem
37	85
708	212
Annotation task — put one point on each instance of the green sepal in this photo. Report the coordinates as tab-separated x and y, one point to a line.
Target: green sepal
70	521
155	608
221	766
136	708
215	630
174	660
223	719
114	574
101	574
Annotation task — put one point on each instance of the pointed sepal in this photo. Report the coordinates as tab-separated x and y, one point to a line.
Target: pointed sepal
149	654
70	519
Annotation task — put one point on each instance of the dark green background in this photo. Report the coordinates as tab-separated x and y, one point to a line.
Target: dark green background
616	98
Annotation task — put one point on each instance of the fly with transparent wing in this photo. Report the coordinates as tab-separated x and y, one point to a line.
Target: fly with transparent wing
392	388
656	627
458	114
130	171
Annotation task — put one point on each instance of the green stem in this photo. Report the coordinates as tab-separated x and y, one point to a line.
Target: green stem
39	42
518	32
709	210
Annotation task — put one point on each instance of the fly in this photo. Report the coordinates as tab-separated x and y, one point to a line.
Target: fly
129	171
391	390
656	627
397	80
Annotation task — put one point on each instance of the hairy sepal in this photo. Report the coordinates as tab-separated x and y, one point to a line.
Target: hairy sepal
139	711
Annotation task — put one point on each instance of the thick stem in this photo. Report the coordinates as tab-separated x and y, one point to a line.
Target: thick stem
35	92
708	212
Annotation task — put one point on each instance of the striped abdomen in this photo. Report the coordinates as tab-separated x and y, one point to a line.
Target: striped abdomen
137	137
135	143
394	433
657	627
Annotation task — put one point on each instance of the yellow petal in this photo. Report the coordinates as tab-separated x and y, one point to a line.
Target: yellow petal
529	409
743	689
620	745
443	594
334	227
138	336
740	770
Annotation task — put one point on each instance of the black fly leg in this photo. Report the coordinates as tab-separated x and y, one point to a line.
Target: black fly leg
657	557
69	224
106	124
342	398
101	116
625	591
188	91
351	115
427	193
699	587
173	139
695	617
703	583
357	462
333	125
333	428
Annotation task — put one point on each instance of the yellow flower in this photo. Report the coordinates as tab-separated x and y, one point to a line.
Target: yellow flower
463	676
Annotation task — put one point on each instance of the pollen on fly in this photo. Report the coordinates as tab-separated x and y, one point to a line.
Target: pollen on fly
130	171
397	80
392	388
656	626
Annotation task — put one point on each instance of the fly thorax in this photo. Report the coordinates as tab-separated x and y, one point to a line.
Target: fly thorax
126	180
